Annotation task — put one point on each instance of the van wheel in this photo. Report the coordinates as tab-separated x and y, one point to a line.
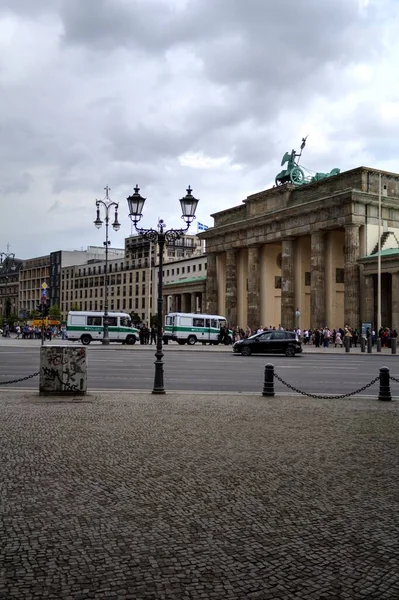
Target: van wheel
130	340
290	351
85	339
191	340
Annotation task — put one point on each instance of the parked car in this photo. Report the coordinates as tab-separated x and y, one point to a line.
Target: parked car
269	342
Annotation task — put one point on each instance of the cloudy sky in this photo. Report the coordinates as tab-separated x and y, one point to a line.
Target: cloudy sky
166	93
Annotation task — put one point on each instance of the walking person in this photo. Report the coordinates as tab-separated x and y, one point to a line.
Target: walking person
153	335
338	339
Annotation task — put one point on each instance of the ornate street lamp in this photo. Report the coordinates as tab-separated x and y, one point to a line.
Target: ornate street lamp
160	236
107	204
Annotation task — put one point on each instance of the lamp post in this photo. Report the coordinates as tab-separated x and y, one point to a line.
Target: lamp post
161	236
7	264
107	205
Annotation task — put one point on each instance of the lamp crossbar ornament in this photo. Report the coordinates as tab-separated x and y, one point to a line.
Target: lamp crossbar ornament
160	236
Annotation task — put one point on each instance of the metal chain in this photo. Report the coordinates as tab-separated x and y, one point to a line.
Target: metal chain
21	379
394	378
294	389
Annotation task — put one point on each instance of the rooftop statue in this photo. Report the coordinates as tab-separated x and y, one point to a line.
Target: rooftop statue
293	173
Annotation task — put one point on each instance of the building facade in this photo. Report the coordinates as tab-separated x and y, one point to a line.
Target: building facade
291	255
132	277
9	288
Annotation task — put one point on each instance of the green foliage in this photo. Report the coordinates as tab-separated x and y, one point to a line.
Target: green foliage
12	319
135	318
55	312
34	314
75	306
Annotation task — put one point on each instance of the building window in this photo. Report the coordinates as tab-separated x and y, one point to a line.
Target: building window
307	277
200	267
339	276
277	283
194	268
182	269
143	276
188	269
137	276
177	271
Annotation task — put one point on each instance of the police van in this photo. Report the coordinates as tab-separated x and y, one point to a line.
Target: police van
88	326
189	328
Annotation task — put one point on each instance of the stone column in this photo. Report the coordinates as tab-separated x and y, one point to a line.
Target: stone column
318	280
351	276
193	303
184	307
231	288
369	298
253	294
211	294
395	301
287	284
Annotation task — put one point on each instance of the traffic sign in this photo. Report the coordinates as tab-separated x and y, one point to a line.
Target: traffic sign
44	285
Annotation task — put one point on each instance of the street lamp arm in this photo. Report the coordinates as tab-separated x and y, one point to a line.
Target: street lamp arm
106	204
152	235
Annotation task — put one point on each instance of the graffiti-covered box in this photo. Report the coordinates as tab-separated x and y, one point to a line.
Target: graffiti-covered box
63	370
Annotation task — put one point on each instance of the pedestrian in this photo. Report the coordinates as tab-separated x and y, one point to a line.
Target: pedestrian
338	339
18	331
153	335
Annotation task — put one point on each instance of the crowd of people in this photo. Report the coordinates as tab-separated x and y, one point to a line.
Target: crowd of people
324	337
30	332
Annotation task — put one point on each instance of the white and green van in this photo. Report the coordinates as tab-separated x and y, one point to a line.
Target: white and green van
189	328
88	326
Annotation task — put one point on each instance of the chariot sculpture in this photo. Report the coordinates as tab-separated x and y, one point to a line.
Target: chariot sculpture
294	174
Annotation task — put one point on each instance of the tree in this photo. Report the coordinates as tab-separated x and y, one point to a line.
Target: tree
75	306
34	314
54	312
135	318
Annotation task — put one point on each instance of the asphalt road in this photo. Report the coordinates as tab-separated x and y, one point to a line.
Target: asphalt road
202	371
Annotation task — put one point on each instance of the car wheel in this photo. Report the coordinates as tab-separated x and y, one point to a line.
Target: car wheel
85	339
290	351
191	340
246	351
130	340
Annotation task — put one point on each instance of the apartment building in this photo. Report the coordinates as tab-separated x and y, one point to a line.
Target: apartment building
132	280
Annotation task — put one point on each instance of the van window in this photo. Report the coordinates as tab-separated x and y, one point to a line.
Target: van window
97	321
214	323
78	319
126	322
112	321
198	322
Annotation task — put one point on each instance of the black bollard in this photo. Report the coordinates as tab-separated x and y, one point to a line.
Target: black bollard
362	344
385	384
268	384
369	345
347	342
378	344
393	345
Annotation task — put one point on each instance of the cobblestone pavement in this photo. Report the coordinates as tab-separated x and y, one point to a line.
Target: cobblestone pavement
198	497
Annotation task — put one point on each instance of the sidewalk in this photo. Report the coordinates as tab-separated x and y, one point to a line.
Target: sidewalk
201	497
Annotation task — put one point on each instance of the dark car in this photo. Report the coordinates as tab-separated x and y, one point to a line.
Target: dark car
270	342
